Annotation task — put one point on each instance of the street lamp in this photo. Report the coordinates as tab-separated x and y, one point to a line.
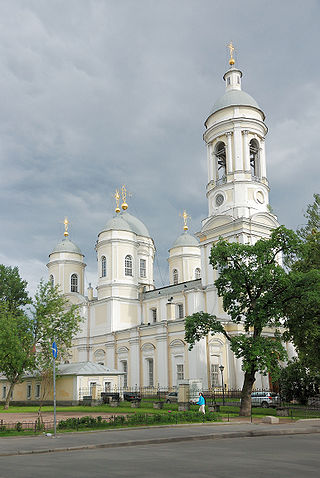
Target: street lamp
221	370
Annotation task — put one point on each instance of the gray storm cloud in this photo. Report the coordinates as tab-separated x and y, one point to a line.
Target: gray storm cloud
95	94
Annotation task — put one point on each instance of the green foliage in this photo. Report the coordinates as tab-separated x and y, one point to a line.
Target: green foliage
254	289
298	383
53	319
136	419
26	336
13	290
16	343
303	311
252	284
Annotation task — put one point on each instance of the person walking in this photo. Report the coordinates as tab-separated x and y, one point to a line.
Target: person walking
202	403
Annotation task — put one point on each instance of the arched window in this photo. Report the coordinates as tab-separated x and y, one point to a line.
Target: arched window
220	153
51	280
103	266
175	276
197	273
254	157
128	266
74	283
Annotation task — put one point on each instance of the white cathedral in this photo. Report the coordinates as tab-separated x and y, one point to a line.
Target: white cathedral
138	329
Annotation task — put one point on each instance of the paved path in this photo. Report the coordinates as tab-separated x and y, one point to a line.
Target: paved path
149	435
292	456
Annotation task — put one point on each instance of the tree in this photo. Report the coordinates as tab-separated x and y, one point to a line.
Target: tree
16	346
26	336
252	285
13	290
298	383
303	312
15	328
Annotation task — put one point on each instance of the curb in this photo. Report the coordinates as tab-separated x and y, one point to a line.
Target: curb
158	441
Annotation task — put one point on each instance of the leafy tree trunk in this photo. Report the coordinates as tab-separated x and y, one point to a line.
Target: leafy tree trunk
245	406
6	405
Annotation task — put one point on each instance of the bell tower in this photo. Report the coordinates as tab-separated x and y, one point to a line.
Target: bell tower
237	189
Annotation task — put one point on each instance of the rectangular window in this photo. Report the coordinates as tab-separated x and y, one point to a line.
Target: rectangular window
150	372
29	390
143	268
154	315
214	375
180	372
107	386
124	364
93	386
37	390
180	311
4	392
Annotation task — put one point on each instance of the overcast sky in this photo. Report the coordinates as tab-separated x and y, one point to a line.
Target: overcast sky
96	94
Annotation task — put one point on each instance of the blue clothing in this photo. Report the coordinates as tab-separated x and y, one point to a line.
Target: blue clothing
201	401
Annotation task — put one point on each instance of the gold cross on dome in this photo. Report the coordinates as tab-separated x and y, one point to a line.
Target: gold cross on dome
124	205
66	225
231	50
185	219
117	198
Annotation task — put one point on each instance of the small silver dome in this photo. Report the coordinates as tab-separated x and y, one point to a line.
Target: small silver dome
67	246
234	98
185	239
118	223
137	226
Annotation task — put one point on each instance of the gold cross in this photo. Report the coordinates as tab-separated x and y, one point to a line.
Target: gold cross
185	219
66	224
231	50
117	198
124	205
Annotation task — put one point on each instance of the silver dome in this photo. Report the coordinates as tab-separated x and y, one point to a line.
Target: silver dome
67	246
185	239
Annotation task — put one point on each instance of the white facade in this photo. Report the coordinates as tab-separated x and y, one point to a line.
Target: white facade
139	330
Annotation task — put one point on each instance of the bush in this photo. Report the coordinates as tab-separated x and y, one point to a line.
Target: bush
297	383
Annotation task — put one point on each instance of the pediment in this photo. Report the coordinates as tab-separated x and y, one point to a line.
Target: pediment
216	222
266	219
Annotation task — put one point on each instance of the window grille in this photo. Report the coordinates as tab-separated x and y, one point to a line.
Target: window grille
128	266
154	315
197	273
103	266
74	283
175	276
180	372
143	268
180	311
150	372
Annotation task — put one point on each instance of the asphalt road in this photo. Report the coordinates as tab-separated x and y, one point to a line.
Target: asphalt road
290	456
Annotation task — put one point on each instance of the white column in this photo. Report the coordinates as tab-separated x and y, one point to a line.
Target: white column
262	159
229	152
239	372
162	359
210	162
246	150
134	365
110	345
238	149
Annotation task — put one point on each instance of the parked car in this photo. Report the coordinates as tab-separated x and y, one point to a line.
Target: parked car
172	397
265	399
131	396
108	396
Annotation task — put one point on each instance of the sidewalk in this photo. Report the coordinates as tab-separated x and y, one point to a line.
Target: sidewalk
150	435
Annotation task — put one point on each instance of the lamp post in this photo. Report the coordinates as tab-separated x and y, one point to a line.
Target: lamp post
221	370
